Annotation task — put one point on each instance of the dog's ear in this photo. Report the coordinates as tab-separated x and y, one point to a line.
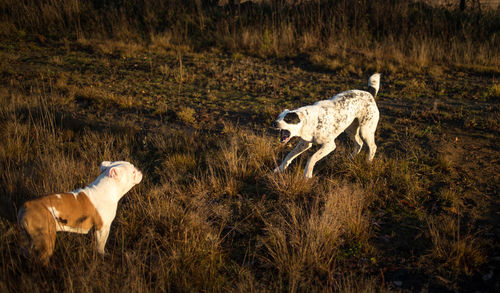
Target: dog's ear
114	172
292	118
104	165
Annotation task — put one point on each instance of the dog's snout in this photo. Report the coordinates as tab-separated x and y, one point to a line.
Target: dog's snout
138	176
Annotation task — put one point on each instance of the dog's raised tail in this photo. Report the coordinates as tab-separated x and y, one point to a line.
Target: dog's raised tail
374	84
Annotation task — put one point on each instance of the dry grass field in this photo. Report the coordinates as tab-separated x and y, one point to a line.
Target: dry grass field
192	106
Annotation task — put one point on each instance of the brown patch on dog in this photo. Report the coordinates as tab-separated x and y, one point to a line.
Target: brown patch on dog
41	218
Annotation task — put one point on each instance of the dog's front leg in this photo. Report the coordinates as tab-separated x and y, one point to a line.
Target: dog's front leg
101	237
320	154
299	149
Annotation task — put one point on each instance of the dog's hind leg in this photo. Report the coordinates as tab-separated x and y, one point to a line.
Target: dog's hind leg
368	135
353	133
39	233
43	240
368	127
299	149
320	154
45	246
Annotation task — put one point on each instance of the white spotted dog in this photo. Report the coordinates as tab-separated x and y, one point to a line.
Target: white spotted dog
354	112
78	211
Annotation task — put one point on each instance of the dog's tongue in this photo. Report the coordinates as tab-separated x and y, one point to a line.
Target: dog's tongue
284	136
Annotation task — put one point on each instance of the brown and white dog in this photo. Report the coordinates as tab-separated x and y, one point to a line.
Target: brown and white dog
78	211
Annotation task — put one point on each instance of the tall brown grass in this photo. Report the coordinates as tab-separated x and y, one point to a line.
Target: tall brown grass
303	243
378	30
454	251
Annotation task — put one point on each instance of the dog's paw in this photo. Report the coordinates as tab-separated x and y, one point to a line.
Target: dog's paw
277	170
308	175
104	255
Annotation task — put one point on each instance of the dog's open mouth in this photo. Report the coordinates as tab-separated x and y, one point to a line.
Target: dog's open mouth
284	136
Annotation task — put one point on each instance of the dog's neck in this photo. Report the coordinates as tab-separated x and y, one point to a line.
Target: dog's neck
104	194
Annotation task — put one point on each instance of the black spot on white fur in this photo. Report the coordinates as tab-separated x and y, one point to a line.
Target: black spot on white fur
62	221
292	118
320	123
